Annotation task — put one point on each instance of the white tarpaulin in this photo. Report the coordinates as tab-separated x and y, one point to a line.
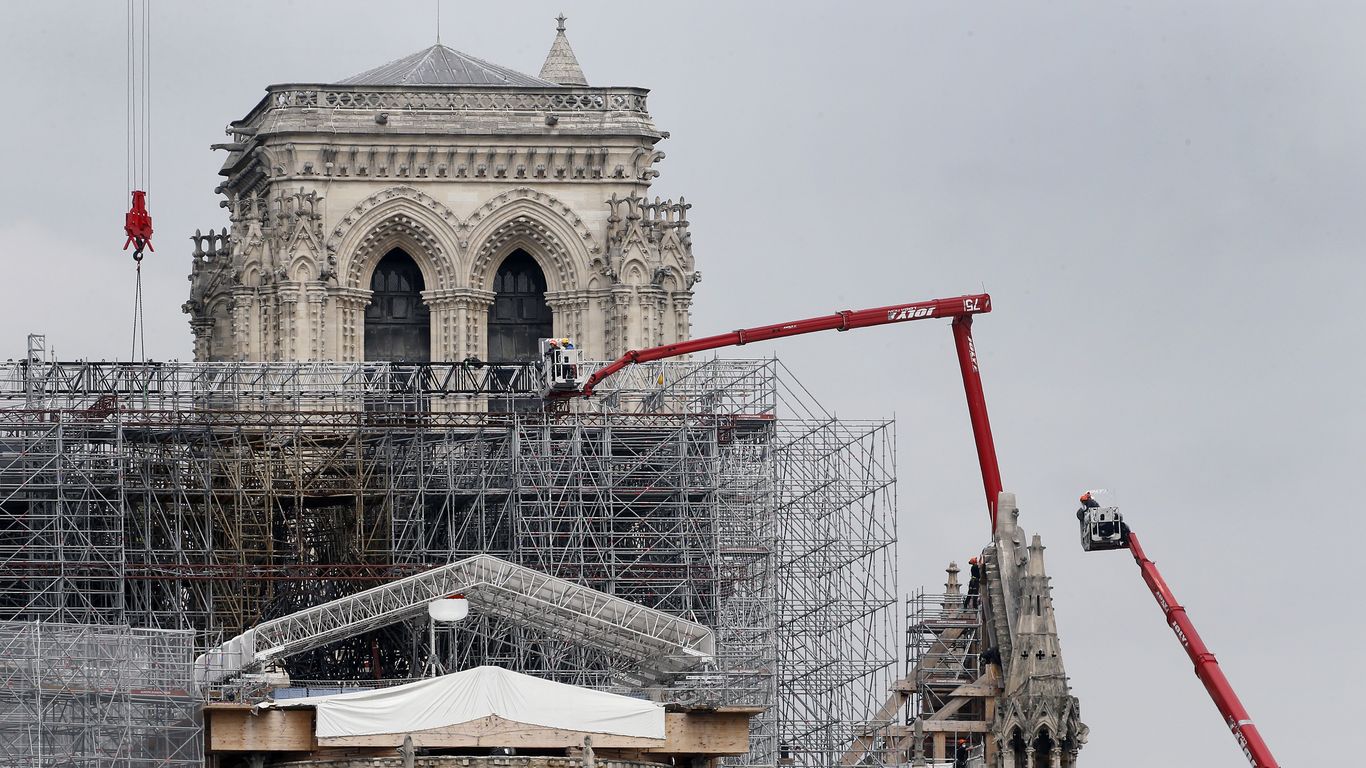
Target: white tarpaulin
477	693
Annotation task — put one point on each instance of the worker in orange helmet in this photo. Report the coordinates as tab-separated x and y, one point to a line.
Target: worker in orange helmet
960	754
1086	503
974	584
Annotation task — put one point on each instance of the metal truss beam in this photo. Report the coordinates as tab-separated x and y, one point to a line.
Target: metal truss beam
660	645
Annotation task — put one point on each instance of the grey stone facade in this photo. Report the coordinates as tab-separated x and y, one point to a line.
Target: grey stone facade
458	163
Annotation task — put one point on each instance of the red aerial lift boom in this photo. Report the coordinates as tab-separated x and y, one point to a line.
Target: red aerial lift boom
1206	666
1104	528
960	309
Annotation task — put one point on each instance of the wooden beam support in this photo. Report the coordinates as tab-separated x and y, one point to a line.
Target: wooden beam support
237	729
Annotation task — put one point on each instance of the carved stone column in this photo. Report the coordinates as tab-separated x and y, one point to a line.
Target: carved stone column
652	315
664	320
1006	752
1055	757
619	321
458	319
570	312
468	315
349	307
202	328
317	321
682	319
561	305
268	310
243	327
287	332
596	321
580	330
441	311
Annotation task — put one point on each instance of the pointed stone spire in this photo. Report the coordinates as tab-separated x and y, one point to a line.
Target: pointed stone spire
560	64
952	589
1038	663
1036	695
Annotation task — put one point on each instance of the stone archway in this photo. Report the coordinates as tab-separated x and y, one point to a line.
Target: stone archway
1044	750
545	262
561	240
421	227
397	216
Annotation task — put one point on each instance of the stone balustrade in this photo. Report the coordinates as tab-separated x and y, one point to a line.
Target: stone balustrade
457	99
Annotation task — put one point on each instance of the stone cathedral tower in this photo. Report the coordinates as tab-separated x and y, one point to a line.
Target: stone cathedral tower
441	207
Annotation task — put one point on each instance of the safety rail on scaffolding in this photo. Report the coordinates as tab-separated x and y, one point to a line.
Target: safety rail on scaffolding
713	386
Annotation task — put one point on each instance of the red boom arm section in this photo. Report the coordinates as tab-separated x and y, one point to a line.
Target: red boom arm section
960	309
1206	666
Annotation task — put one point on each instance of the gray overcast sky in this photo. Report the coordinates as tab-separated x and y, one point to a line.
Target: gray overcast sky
1165	200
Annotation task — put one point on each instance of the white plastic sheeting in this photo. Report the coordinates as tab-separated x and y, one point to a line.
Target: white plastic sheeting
477	693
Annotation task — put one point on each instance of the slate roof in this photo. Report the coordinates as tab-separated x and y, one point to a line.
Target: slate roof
440	65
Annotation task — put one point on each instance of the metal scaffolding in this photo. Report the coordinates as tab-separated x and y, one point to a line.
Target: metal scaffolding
214	496
89	695
951	694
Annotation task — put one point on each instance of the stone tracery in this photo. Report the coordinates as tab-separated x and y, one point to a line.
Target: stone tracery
398	212
538	238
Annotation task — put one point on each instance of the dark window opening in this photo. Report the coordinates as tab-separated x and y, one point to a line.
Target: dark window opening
519	317
397	323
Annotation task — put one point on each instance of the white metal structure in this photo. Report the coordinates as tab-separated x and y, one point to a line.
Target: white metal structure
562	365
658	644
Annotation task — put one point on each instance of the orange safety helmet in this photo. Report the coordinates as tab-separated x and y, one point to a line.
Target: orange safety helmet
972	561
1086	496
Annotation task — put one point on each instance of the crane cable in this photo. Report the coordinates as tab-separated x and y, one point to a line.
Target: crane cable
138	171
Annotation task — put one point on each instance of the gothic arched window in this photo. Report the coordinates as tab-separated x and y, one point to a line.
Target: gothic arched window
397	322
519	316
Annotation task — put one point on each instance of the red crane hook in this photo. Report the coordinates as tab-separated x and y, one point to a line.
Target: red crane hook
137	224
